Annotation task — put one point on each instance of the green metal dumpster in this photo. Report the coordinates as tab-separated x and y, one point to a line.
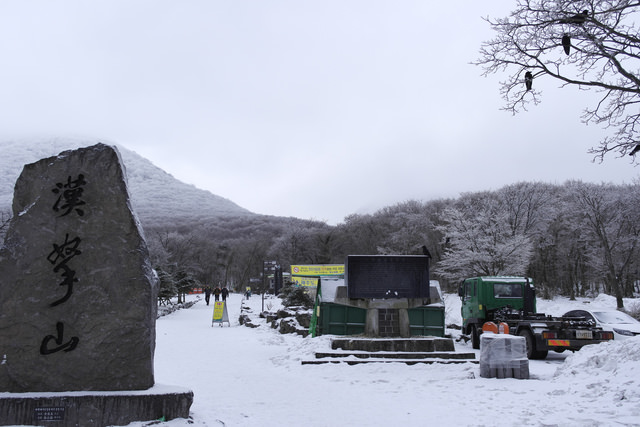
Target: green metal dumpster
340	319
427	321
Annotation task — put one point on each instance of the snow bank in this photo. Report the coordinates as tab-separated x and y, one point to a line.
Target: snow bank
611	368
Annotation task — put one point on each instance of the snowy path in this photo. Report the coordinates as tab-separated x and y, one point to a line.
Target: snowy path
253	377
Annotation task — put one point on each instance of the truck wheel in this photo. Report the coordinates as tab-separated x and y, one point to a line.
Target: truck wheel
475	338
532	353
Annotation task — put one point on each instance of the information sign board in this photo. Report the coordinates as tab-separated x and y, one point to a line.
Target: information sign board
387	276
220	314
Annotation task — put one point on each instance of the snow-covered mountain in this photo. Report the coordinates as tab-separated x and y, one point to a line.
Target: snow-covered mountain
156	195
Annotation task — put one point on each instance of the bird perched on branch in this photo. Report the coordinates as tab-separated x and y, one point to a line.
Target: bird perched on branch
528	80
566	43
635	150
577	19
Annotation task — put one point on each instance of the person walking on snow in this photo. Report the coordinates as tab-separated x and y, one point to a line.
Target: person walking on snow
216	293
224	293
207	294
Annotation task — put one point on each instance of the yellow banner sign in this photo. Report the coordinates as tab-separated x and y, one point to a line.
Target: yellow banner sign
305	281
318	270
218	311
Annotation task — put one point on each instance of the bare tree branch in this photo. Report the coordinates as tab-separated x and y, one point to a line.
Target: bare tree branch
602	39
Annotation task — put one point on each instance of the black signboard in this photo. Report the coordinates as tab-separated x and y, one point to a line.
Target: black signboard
387	276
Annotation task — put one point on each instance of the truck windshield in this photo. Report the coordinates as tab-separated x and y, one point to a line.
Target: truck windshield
507	290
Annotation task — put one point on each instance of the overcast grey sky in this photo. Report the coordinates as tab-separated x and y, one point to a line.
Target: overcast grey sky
312	109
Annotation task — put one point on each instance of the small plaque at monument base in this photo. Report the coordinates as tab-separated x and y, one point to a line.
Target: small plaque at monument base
48	414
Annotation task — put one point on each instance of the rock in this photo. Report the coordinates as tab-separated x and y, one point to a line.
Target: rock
291	326
283	313
243	319
246	321
271	317
304	318
78	297
288	326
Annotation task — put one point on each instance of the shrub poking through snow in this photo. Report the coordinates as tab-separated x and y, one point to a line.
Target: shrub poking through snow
295	296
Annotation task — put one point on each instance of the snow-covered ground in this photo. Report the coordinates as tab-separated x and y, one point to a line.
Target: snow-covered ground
254	377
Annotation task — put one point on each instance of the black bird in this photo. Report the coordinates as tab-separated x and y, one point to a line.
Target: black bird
566	43
635	150
577	19
528	80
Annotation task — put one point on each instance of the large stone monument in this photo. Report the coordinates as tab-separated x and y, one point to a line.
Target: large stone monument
78	297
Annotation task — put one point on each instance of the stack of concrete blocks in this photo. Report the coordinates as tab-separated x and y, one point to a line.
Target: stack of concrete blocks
503	356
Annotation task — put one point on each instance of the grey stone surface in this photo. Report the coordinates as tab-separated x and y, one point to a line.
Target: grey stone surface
77	292
92	409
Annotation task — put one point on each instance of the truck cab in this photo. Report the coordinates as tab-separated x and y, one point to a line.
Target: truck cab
481	296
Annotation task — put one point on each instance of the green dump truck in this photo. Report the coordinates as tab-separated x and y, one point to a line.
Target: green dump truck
512	300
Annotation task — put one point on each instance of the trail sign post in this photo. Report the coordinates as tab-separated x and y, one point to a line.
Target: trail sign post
220	314
268	267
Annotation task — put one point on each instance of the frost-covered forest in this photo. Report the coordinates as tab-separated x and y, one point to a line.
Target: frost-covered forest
574	239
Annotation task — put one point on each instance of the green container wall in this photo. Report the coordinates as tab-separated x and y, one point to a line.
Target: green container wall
426	321
336	319
339	319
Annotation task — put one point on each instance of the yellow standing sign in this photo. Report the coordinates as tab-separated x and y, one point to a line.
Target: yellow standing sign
220	314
